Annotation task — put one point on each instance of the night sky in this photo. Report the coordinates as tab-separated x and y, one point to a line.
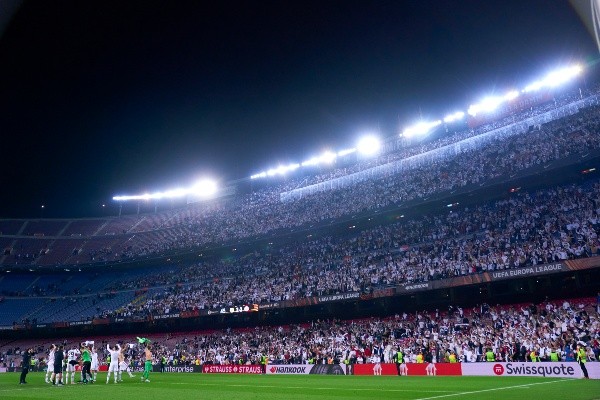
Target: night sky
99	98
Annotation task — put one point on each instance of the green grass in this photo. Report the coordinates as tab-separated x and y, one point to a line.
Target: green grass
172	386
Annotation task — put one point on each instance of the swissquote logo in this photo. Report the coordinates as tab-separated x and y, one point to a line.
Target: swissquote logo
498	369
541	369
545	369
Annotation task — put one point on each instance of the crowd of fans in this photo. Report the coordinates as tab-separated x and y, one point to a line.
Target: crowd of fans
524	230
528	229
512	333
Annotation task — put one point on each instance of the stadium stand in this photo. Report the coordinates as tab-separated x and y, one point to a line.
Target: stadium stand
528	229
511	331
43	227
547	225
83	227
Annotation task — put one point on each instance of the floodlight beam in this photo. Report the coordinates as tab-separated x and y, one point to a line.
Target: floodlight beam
368	145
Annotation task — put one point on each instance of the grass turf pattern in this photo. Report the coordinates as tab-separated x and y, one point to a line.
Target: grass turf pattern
261	387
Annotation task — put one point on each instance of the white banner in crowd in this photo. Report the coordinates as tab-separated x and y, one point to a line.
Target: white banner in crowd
541	369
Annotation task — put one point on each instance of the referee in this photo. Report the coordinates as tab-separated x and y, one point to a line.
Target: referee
26	363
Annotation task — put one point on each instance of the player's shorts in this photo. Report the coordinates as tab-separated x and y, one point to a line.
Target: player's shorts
71	366
94	366
123	366
113	367
57	369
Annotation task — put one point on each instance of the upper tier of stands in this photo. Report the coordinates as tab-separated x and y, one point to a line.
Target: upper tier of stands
571	132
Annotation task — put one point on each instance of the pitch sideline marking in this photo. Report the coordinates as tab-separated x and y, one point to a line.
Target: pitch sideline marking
263	386
490	390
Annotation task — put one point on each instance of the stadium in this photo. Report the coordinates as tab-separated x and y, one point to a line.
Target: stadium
456	256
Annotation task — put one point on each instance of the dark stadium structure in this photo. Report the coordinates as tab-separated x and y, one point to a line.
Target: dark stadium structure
502	213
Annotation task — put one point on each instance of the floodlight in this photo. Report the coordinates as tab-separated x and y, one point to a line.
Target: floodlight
473	110
328	157
204	188
312	161
126	198
489	104
421	128
537	85
368	145
345	152
175	193
454	117
282	169
259	175
555	78
513	94
561	76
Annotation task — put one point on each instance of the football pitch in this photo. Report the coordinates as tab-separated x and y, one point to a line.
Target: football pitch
242	387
